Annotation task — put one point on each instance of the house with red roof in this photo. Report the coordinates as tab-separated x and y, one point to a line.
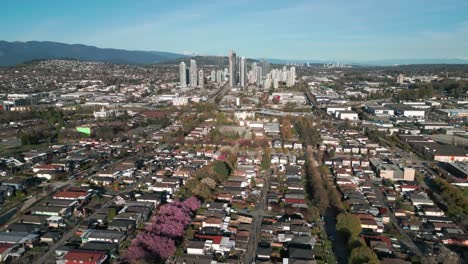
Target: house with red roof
84	257
215	239
5	250
73	194
379	243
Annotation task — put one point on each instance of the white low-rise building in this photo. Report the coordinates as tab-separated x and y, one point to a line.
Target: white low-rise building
333	109
347	115
180	101
244	115
380	110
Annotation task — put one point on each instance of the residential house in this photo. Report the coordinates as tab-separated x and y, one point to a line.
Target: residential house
84	257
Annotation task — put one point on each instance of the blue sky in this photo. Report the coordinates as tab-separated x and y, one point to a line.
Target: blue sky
288	29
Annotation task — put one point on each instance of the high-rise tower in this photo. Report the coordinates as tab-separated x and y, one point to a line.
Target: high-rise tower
183	74
201	79
242	73
193	73
232	69
213	76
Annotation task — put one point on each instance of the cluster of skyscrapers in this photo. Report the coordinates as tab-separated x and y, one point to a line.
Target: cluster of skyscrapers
285	75
238	75
218	76
237	70
259	74
190	76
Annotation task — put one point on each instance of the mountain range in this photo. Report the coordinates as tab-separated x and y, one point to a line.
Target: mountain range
387	62
13	53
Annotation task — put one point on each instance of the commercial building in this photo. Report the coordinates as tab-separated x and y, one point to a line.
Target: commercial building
454	113
440	152
244	115
379	110
335	108
407	111
180	101
347	115
289	97
457	169
391	171
435	125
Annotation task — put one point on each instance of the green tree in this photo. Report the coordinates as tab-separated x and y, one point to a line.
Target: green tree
363	254
307	131
111	213
266	159
349	225
286	131
221	168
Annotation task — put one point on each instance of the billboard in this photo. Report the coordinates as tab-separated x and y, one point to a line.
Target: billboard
84	130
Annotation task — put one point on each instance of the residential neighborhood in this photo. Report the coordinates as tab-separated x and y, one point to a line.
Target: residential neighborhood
321	167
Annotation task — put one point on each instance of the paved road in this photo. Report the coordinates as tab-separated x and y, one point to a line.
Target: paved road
406	238
257	215
48	255
220	93
339	241
72	182
329	224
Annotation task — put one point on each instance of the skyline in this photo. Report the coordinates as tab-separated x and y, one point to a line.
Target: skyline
303	30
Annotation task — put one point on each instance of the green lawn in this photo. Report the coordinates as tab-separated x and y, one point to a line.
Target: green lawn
465	191
9	151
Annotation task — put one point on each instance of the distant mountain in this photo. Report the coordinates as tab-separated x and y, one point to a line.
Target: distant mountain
392	62
201	60
13	53
284	61
205	60
389	62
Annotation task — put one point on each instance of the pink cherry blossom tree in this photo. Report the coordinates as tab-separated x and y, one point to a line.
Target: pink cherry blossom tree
160	236
192	203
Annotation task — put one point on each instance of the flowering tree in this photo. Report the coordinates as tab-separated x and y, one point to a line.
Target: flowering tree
160	236
169	229
192	203
160	246
135	253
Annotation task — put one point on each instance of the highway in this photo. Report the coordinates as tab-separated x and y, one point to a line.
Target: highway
219	93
